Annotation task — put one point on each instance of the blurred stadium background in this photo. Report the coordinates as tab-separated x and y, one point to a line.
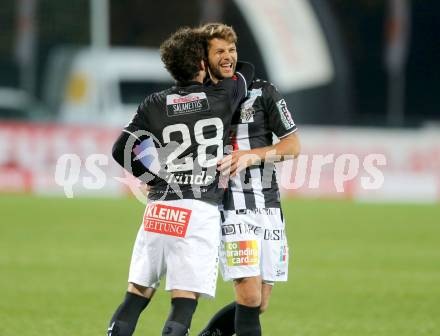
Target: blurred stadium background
360	77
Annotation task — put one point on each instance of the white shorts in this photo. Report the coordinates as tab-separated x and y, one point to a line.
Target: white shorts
254	243
179	239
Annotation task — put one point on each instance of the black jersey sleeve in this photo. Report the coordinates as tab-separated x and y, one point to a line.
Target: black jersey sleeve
237	85
124	148
130	143
139	121
280	120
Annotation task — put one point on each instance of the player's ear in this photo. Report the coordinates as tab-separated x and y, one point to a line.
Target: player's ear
203	69
202	65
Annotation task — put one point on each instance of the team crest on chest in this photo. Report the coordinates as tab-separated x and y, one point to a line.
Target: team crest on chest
247	110
247	114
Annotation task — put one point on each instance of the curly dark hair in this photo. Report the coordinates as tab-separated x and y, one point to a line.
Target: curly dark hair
182	53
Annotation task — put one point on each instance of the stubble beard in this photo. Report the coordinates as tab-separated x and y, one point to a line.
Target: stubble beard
215	71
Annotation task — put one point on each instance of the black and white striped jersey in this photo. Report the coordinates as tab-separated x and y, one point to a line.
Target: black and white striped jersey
262	114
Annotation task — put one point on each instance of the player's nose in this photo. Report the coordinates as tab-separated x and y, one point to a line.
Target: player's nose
227	56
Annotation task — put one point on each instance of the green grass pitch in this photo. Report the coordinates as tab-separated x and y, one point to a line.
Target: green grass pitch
357	269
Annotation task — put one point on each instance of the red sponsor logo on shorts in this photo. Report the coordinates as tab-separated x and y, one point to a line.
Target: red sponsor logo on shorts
166	219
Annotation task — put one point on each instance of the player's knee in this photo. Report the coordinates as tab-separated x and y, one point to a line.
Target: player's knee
248	292
250	299
146	292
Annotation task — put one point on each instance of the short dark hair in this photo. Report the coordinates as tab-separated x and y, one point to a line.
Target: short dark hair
182	53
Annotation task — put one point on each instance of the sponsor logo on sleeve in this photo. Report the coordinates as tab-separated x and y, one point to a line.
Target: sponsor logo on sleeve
192	103
285	115
242	253
165	219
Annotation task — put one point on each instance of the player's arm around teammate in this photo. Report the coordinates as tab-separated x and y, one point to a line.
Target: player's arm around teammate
262	113
287	148
144	275
179	235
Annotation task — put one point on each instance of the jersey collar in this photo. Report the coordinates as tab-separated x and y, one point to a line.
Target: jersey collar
188	83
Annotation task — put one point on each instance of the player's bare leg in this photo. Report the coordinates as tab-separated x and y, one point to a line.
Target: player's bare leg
124	320
183	306
146	292
266	292
248	291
